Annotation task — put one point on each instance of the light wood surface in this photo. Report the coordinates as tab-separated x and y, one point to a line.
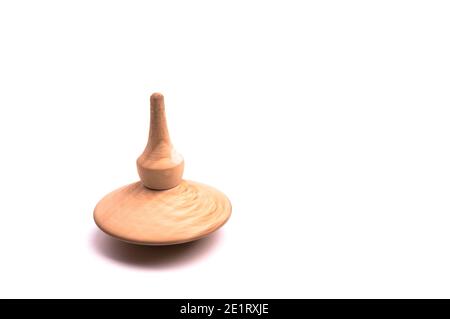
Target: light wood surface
160	166
184	213
162	208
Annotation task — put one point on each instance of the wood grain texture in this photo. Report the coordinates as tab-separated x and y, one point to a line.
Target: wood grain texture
184	213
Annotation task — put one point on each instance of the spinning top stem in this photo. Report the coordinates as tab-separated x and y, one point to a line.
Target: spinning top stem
159	133
160	166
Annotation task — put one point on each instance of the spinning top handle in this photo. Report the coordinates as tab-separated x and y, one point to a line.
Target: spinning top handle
160	167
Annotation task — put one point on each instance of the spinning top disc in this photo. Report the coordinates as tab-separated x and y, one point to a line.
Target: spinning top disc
162	208
184	213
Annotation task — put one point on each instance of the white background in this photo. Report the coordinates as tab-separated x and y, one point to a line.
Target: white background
325	122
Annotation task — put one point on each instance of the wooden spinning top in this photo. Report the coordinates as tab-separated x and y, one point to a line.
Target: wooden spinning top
162	208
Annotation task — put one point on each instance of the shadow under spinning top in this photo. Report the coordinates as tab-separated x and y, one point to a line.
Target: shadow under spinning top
162	208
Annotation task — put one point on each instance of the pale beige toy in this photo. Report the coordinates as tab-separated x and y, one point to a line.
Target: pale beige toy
162	208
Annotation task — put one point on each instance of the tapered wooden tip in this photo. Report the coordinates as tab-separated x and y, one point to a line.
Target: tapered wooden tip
159	166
